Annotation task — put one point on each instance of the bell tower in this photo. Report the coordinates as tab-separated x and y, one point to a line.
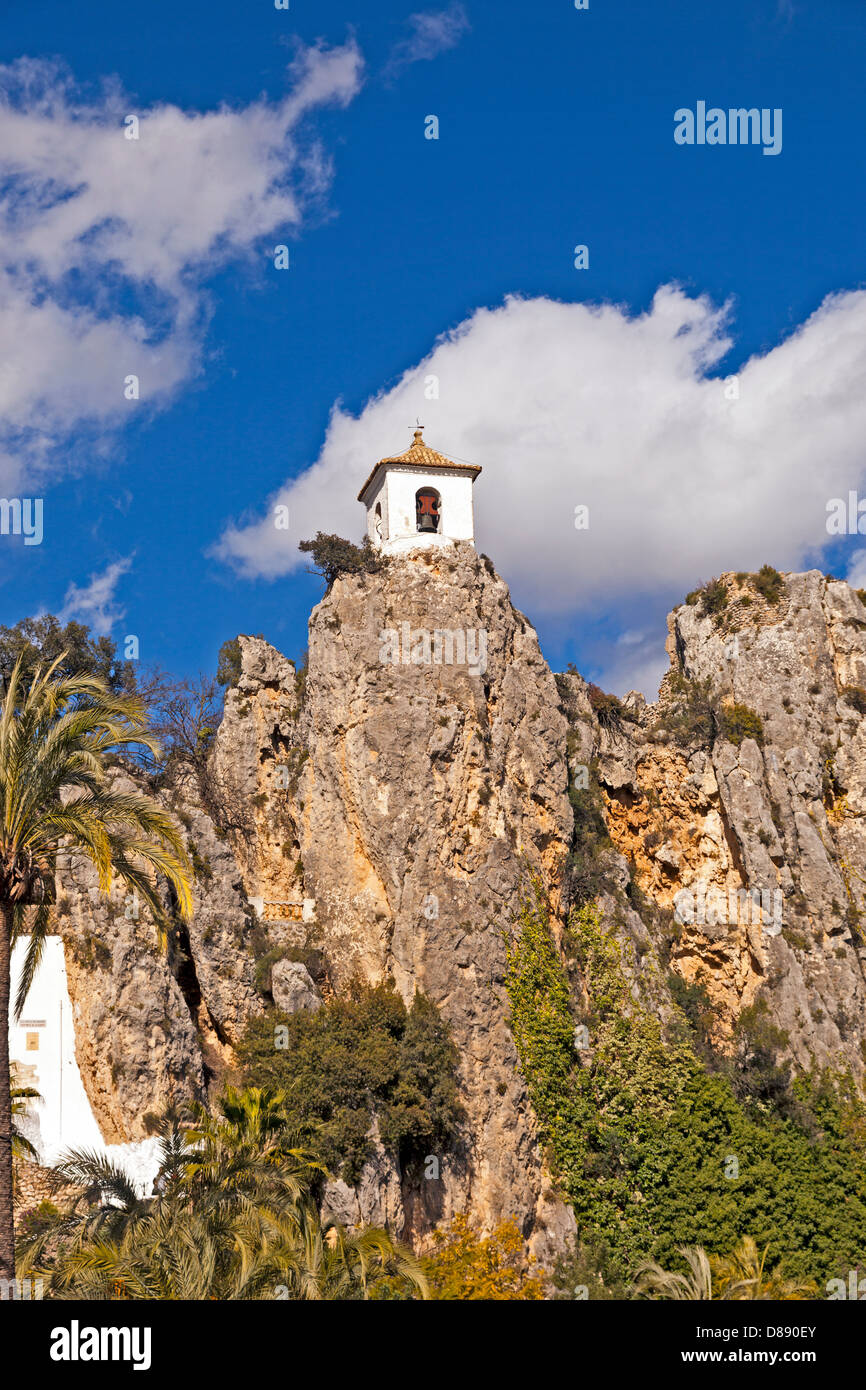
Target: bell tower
418	499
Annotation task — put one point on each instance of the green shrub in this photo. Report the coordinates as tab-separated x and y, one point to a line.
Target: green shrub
831	787
333	556
356	1058
691	714
696	1009
201	865
35	1220
301	672
609	711
585	873
712	597
587	1264
739	721
769	583
229	663
264	966
758	1074
641	1135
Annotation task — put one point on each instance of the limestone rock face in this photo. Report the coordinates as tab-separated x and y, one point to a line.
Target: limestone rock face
420	795
259	755
292	987
388	803
152	1024
135	1039
377	1200
220	946
782	814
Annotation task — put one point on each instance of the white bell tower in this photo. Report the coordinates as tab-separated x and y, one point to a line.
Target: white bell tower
417	499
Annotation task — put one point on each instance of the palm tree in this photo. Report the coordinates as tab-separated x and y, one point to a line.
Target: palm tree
233	1216
58	732
21	1145
651	1281
737	1276
743	1270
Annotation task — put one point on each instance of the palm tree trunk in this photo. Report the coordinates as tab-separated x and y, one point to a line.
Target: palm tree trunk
7	1228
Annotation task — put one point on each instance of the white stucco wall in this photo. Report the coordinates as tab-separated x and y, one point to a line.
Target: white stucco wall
63	1118
377	495
396	491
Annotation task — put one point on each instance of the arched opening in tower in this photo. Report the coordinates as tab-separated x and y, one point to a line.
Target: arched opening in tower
428	509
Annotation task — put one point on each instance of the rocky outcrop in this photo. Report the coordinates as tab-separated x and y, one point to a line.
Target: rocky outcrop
156	1021
292	987
418	794
386	806
775	819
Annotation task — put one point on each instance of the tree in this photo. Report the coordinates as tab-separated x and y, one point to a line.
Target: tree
229	663
333	556
740	1275
44	639
744	1272
651	1281
362	1061
185	716
467	1266
21	1145
233	1216
57	733
610	712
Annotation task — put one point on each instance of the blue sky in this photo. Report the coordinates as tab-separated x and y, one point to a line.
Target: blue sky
556	128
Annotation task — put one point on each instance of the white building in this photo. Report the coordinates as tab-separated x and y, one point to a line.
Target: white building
42	1046
419	498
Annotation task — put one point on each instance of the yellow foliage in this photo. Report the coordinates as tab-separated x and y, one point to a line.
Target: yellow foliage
468	1266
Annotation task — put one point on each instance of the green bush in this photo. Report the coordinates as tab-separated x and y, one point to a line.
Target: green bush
609	711
696	1009
739	721
712	597
654	1151
333	556
585	873
758	1075
769	583
588	1264
229	663
691	714
42	640
356	1058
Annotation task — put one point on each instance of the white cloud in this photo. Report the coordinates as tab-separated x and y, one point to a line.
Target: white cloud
431	32
106	243
94	603
857	570
635	661
569	404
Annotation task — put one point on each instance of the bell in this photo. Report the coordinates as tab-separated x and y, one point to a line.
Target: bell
426	510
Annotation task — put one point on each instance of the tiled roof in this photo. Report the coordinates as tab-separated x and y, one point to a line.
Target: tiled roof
420	455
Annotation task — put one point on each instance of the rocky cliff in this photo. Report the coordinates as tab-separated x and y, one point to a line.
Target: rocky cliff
391	801
401	806
739	801
155	1021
